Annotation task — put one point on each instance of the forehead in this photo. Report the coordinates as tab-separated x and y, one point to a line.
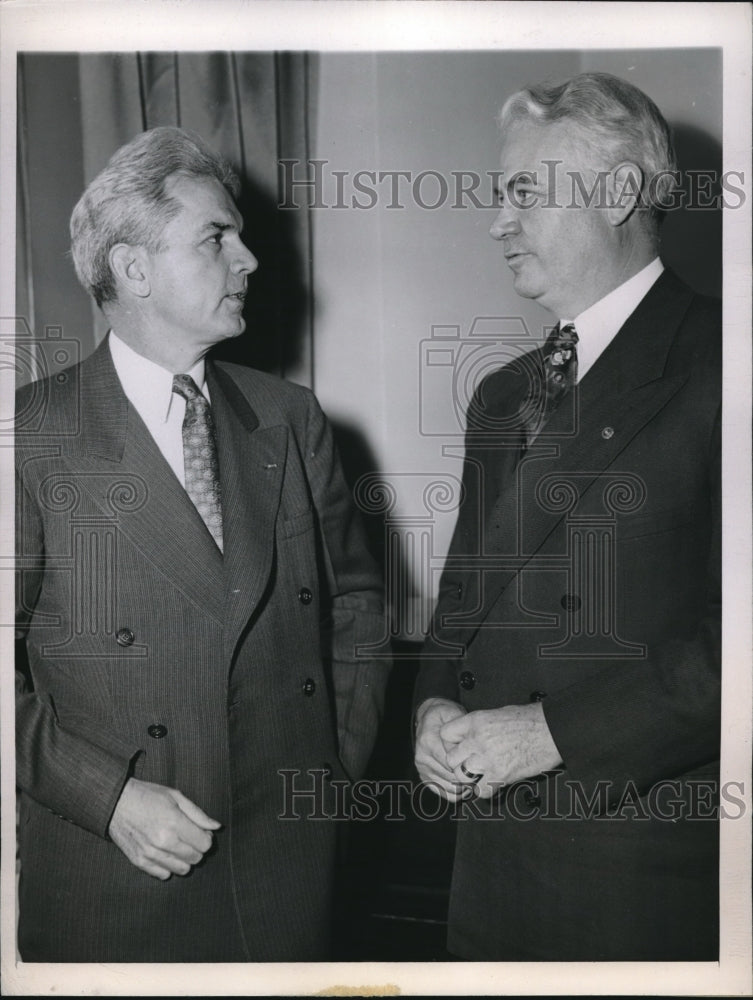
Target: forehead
526	145
203	201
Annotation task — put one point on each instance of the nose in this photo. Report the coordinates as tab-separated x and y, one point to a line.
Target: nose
506	224
245	262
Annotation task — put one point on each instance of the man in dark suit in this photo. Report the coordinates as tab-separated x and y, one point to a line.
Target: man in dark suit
568	698
193	592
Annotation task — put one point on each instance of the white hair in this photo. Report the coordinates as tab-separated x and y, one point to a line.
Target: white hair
615	121
127	202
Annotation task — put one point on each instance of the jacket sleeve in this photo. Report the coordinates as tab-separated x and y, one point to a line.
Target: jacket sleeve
75	778
660	717
356	630
444	646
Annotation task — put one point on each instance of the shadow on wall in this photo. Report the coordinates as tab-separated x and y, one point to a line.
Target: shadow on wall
359	460
276	309
692	236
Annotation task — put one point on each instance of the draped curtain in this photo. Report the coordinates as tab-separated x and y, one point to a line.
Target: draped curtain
74	111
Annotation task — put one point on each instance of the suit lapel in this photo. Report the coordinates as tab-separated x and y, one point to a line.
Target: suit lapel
153	510
617	397
252	465
161	521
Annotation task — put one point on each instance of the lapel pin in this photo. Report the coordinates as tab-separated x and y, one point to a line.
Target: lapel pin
272	465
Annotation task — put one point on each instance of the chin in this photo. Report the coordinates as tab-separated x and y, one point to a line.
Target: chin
235	332
526	289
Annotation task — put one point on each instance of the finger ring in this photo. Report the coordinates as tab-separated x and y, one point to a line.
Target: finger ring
470	774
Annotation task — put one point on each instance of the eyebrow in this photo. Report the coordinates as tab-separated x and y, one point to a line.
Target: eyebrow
523	177
527	177
221	227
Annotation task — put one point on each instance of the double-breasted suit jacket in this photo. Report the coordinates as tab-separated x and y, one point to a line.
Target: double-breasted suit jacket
151	655
586	575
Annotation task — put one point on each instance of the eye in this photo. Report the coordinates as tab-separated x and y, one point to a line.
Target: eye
525	197
216	239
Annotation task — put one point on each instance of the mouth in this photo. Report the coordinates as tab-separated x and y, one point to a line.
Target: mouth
239	297
515	257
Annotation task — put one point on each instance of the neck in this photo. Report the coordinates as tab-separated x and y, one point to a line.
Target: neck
607	275
174	356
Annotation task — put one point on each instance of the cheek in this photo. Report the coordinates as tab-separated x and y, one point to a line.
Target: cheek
590	232
567	241
199	287
557	252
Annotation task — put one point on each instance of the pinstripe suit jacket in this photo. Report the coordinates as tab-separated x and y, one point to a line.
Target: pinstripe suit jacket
149	654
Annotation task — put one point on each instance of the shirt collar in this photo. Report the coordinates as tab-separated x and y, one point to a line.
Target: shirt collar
147	385
598	325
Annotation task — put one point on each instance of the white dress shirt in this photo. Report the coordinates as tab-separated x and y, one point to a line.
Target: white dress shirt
598	325
149	388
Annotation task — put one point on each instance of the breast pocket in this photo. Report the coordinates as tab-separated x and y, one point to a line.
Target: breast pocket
299	524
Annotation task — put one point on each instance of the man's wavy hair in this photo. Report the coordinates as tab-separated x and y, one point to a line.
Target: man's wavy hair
127	202
612	121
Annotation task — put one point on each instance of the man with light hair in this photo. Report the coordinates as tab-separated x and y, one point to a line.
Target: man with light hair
194	588
568	699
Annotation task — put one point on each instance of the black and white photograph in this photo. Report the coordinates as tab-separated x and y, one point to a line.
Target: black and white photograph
377	387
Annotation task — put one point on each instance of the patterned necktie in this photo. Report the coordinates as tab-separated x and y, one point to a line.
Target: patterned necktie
202	471
560	375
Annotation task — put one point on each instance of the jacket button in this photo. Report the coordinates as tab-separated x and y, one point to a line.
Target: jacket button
124	637
305	596
537	696
467	680
571	602
157	731
607	433
308	687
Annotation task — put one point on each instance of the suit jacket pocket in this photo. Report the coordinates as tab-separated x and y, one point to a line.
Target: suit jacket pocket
296	525
654	522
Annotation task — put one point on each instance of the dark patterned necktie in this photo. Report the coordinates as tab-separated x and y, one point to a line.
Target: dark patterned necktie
202	473
560	375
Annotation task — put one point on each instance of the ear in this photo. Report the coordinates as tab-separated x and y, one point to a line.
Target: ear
624	184
128	264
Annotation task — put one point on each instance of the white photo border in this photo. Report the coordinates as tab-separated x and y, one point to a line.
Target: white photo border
330	25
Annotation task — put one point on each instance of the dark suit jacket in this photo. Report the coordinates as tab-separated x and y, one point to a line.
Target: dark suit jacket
587	576
149	654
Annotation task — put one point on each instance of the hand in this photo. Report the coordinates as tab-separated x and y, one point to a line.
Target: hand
159	830
503	745
431	753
